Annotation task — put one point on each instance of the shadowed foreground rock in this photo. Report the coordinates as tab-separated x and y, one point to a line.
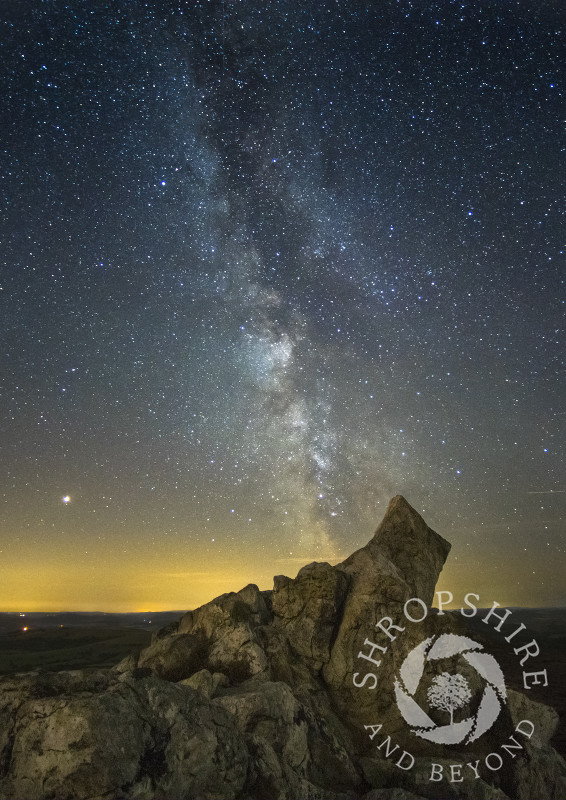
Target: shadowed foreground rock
250	697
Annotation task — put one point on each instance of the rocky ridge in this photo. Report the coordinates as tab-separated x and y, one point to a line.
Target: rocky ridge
250	697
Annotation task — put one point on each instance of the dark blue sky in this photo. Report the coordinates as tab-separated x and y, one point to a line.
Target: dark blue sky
266	265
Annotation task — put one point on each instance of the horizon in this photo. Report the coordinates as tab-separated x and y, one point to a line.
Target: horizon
265	270
184	611
512	583
193	587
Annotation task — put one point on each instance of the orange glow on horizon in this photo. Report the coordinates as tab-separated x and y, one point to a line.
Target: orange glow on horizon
105	579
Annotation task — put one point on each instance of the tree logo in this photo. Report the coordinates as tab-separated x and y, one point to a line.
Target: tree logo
449	692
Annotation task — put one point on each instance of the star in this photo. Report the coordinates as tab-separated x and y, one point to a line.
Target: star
331	238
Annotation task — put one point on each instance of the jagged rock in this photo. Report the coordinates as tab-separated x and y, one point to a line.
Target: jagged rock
402	560
378	772
270	711
127	664
302	745
309	608
167	630
545	719
251	697
228	626
246	607
416	552
174	657
116	739
206	682
542	773
236	653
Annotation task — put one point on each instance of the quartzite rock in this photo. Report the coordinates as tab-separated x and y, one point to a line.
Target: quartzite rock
309	608
250	697
76	736
402	560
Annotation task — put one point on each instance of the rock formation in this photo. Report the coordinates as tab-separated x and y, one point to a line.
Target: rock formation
250	697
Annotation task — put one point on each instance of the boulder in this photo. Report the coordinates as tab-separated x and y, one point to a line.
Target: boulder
542	771
117	739
246	607
174	657
228	625
206	682
302	742
309	608
544	718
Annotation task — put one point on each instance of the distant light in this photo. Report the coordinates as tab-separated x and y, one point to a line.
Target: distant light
163	183
24	629
66	499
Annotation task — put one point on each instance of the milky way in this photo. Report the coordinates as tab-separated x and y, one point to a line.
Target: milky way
267	264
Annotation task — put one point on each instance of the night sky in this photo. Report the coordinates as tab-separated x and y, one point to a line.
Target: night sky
266	264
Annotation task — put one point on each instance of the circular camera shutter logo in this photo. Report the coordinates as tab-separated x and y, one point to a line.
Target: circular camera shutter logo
449	692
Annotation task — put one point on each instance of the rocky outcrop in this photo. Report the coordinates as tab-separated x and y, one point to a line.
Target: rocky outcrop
250	697
309	608
402	560
75	735
541	773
